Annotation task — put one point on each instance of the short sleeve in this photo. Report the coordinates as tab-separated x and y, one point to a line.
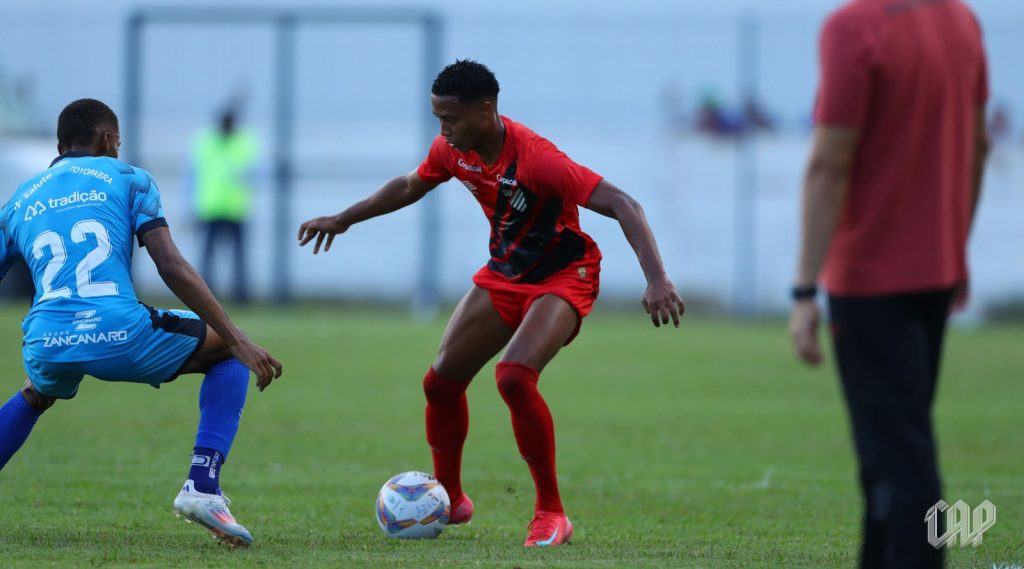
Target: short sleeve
553	173
146	211
846	61
435	169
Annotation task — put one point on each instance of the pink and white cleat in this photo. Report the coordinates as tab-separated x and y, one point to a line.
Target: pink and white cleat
211	511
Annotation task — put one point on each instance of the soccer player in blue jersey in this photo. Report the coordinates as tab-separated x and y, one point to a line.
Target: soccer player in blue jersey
73	224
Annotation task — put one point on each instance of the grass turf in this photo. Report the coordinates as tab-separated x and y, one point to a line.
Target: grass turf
707	446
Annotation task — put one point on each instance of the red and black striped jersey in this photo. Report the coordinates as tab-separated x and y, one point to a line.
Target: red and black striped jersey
530	195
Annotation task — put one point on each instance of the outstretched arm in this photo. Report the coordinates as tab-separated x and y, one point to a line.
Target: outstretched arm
187	285
392	196
661	300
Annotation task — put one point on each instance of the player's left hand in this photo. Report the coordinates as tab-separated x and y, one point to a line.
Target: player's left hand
803	330
266	367
662	302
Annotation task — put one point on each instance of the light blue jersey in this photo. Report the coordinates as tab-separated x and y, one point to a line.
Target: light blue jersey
74	224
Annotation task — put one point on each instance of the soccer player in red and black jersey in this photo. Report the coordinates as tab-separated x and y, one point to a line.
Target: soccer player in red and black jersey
540	282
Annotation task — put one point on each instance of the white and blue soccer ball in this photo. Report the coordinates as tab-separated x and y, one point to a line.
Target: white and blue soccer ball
413	505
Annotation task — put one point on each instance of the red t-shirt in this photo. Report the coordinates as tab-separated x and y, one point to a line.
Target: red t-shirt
910	75
529	195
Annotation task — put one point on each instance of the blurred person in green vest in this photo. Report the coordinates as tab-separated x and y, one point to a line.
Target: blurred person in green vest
223	160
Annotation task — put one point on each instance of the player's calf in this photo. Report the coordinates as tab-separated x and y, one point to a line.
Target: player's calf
17	417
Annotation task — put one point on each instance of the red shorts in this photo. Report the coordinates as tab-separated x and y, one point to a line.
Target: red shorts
578	285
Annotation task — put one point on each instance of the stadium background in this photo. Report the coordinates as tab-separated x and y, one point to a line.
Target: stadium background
617	86
722	452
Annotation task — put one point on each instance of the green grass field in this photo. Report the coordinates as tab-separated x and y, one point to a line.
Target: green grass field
707	446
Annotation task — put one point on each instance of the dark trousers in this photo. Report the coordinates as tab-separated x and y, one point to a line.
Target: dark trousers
888	350
223	231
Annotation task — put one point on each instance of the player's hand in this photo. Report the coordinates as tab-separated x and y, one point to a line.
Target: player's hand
321	228
803	330
662	302
961	296
260	361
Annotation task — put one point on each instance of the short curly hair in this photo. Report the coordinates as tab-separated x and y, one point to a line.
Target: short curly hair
78	122
466	80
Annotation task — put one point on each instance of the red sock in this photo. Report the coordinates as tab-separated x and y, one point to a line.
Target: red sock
534	430
447	425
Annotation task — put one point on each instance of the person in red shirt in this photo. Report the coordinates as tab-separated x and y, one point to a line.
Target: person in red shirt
540	282
889	198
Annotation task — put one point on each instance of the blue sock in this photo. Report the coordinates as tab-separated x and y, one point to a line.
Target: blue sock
221	399
17	418
205	471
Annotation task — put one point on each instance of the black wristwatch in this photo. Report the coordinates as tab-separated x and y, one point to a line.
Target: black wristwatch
805	292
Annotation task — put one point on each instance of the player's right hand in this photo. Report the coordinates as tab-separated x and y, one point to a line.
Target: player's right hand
260	361
321	228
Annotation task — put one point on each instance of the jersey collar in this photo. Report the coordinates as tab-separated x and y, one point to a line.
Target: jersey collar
70	154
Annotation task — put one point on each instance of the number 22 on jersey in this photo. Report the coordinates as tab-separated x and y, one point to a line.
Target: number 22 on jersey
83	271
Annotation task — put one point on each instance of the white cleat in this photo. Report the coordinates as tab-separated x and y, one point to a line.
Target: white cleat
211	511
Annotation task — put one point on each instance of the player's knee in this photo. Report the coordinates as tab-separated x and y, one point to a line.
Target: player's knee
515	381
440	389
36	400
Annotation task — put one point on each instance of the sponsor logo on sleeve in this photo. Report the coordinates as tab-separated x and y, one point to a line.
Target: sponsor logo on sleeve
42	181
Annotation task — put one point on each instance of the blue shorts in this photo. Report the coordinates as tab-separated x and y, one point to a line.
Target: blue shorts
159	353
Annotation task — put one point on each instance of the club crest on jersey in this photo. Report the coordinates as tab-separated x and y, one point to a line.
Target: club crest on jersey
519	201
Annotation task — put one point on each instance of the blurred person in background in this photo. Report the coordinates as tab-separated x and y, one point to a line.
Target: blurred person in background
755	117
889	198
74	224
223	162
714	119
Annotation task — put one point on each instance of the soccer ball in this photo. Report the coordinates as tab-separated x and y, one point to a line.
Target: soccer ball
413	505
